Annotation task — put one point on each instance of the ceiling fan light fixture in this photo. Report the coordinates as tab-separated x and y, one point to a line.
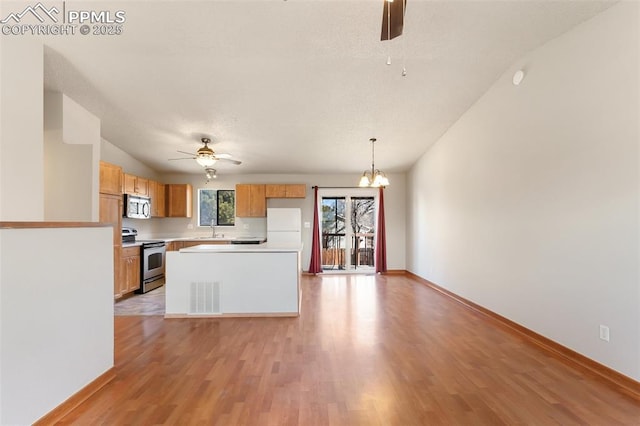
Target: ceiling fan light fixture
210	173
205	160
205	155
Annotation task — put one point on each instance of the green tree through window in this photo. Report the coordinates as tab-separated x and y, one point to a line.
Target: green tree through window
217	207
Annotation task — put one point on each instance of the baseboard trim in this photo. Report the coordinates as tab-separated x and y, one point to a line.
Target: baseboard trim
623	383
389	272
55	415
235	315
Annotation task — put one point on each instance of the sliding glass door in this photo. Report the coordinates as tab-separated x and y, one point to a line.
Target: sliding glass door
348	231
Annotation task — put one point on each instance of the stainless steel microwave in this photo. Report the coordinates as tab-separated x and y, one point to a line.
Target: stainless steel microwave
137	207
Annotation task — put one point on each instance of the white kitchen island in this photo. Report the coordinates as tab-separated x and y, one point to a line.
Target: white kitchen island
211	280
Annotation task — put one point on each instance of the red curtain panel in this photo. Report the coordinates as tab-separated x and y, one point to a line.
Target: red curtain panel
315	266
381	239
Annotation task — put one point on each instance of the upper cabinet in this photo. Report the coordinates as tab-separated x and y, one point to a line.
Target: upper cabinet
156	193
275	191
110	178
178	200
136	185
286	190
251	200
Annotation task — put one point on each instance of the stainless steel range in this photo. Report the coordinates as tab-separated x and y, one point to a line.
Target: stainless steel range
152	260
152	264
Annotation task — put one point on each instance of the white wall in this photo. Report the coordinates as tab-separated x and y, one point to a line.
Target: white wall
114	155
71	160
394	209
21	112
48	277
528	205
56	327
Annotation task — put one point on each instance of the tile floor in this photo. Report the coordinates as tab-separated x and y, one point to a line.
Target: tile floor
151	303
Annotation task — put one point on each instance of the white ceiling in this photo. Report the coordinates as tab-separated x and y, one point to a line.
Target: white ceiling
295	86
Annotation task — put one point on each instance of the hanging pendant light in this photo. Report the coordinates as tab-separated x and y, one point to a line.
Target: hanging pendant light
373	178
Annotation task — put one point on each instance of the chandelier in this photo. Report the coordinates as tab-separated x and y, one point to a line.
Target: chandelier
373	178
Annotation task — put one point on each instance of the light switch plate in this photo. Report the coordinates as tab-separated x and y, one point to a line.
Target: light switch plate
307	224
604	333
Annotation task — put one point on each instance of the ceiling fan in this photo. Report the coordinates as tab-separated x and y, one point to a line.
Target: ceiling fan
392	19
205	156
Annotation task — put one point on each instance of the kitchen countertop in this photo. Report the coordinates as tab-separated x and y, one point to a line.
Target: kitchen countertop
244	248
203	239
135	244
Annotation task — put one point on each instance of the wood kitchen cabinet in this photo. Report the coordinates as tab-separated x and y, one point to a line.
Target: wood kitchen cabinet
130	279
251	200
136	185
178	200
119	285
156	193
275	191
296	190
110	178
111	213
286	190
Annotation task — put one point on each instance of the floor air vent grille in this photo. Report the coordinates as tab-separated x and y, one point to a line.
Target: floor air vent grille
204	298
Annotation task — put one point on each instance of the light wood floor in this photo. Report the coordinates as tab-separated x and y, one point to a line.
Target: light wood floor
367	350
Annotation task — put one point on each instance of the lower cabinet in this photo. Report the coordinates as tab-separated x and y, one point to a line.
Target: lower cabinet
130	270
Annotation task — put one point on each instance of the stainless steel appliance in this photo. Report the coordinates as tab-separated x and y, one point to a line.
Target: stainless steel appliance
152	264
136	207
129	235
152	260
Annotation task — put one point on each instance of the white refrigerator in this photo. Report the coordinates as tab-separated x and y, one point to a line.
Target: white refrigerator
284	225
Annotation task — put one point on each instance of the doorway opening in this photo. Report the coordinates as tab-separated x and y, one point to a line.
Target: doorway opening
348	233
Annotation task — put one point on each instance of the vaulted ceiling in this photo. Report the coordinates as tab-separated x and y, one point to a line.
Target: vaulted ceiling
295	86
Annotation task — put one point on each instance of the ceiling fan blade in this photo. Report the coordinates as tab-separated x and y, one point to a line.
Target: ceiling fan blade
222	155
396	14
187	153
236	162
182	158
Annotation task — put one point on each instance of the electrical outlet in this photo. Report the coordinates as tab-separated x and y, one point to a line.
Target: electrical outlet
307	224
245	226
190	226
604	333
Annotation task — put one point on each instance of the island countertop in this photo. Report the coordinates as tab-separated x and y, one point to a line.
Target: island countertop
244	248
221	280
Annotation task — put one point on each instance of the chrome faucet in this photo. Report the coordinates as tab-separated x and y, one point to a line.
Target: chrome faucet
213	231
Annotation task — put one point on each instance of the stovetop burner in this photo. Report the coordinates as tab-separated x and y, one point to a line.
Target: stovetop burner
151	243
